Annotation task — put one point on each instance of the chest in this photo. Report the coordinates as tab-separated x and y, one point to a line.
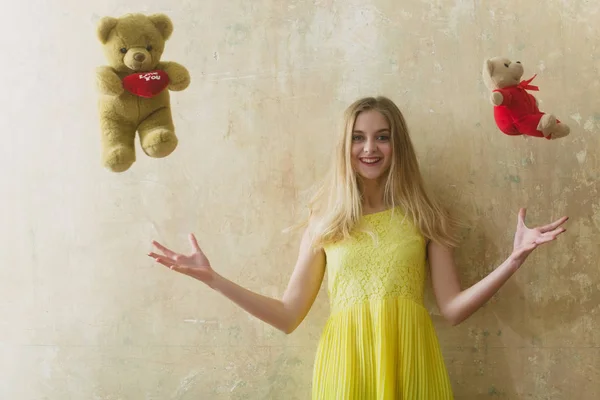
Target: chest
519	98
395	251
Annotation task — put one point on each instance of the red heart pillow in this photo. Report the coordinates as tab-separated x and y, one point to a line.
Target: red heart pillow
146	84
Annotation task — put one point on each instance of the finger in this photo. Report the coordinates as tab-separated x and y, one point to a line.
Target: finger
550	236
180	260
554	224
161	258
167	264
521	216
177	268
194	242
554	234
162	248
182	269
543	240
172	265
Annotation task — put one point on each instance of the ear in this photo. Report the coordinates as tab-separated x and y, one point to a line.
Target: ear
105	26
486	73
163	24
488	68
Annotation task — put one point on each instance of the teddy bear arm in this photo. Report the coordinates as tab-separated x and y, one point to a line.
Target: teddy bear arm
179	76
108	81
496	98
500	98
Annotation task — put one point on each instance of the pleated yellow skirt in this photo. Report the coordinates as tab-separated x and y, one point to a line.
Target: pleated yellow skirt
381	350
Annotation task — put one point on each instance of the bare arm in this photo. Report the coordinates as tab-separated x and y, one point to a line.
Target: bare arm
456	304
286	313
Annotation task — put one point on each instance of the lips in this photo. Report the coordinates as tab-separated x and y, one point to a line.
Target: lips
370	160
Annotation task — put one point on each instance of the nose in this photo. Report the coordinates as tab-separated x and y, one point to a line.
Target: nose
139	57
370	146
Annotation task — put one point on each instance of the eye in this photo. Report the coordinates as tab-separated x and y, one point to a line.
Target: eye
506	65
123	50
356	137
149	48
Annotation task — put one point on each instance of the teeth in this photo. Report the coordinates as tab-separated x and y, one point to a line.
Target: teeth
370	160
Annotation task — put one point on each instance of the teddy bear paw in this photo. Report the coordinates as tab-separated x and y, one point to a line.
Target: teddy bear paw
159	143
496	98
560	130
108	82
547	124
119	158
179	85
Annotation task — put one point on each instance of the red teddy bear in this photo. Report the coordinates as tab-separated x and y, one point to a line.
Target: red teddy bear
516	111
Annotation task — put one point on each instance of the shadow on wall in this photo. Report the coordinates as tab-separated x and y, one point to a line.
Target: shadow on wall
506	349
475	354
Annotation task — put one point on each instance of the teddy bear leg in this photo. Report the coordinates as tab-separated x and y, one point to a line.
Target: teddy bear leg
157	134
547	124
560	130
552	128
118	152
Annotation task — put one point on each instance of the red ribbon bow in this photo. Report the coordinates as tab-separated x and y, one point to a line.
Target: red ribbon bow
526	84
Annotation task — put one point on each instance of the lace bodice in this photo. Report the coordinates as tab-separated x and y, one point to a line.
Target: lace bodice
360	270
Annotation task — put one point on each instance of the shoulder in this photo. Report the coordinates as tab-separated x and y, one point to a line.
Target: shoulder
310	235
438	253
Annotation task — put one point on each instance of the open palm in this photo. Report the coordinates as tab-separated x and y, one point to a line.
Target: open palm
527	239
195	265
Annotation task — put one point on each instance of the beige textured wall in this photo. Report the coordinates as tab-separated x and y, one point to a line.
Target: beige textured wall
84	314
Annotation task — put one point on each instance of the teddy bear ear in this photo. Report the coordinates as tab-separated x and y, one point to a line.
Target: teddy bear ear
487	73
105	26
488	68
163	24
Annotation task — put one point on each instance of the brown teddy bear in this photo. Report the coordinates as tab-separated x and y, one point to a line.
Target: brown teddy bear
132	88
516	110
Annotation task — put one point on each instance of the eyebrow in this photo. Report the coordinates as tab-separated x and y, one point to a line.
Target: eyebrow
379	131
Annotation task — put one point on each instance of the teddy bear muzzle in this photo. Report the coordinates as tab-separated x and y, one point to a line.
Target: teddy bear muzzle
138	60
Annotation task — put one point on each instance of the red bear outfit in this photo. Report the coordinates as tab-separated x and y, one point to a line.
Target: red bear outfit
518	114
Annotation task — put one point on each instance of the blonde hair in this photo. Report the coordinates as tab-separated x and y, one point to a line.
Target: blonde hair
336	207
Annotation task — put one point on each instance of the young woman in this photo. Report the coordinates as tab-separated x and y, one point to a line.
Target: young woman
376	229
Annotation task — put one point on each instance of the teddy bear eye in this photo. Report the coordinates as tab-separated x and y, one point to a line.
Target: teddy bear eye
123	50
149	48
506	65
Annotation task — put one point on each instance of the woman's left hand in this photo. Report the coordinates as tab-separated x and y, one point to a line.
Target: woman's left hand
528	239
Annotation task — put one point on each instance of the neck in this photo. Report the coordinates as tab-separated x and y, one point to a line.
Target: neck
372	194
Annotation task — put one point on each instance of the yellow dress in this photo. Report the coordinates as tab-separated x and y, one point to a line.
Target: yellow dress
379	342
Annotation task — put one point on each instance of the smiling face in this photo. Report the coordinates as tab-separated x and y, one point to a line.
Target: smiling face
371	150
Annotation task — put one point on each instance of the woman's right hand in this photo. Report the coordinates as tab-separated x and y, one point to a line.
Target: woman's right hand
285	314
195	265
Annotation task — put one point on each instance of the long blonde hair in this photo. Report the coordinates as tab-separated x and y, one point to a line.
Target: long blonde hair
336	207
